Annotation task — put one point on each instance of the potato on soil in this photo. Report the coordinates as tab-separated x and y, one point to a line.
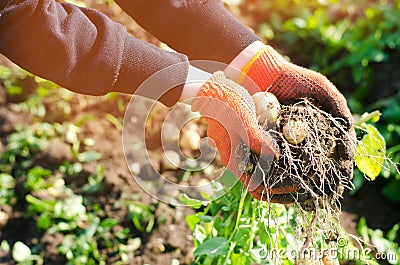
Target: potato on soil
3	219
170	160
295	131
189	140
306	137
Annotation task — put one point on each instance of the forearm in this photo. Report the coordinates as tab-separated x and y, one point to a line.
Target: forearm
200	29
78	48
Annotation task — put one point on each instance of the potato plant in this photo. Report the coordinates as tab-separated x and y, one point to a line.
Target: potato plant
56	207
237	229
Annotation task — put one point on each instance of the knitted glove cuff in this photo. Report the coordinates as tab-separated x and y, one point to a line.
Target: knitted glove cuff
263	69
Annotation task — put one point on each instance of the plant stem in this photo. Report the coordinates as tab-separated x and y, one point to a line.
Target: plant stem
39	203
239	214
253	225
368	117
229	253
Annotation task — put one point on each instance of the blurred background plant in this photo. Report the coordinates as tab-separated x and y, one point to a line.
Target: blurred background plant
355	43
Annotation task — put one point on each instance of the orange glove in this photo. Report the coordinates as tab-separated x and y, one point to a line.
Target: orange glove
230	113
289	82
269	71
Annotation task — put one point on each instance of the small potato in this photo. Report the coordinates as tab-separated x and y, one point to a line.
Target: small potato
3	219
190	140
295	131
170	160
267	107
169	133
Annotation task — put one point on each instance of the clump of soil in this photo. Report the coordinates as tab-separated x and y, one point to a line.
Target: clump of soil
314	165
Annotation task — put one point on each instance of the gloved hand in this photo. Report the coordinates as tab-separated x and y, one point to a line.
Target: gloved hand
289	82
269	71
230	113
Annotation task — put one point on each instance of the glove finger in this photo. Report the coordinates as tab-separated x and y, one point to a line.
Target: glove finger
226	143
230	104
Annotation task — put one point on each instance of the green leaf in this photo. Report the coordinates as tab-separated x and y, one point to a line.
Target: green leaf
192	220
44	221
362	229
21	252
393	232
88	156
239	259
242	236
115	121
199	233
358	181
216	246
369	117
192	203
371	152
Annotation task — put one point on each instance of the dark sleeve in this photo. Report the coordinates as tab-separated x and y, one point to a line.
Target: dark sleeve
81	49
201	29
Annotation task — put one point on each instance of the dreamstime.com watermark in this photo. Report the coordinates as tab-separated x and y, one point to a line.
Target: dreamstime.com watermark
339	251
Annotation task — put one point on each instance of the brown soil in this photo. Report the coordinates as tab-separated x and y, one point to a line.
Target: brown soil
315	164
170	238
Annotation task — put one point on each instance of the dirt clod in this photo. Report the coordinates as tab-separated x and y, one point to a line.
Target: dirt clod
310	161
313	163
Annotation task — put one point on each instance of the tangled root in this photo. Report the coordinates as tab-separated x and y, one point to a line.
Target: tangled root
315	165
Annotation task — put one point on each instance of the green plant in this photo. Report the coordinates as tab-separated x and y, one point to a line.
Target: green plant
10	77
237	229
344	40
385	247
390	128
21	147
22	255
55	206
142	215
371	149
7	185
389	132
